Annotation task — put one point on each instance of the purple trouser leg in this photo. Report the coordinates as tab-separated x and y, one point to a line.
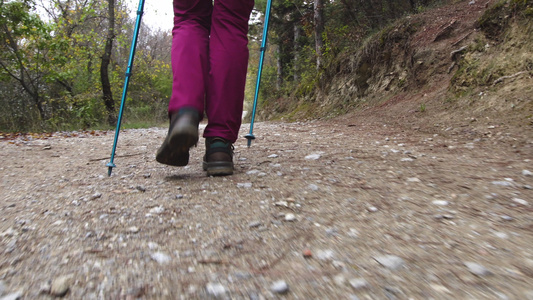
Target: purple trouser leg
215	71
190	54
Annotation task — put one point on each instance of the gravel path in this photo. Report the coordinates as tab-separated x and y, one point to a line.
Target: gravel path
315	210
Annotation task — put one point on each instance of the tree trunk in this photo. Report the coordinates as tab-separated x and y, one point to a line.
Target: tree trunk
319	29
104	67
279	81
297	31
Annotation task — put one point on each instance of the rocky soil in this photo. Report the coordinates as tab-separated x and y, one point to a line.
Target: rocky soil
352	208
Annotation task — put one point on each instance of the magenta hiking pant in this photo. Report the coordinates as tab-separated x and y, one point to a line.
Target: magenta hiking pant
210	61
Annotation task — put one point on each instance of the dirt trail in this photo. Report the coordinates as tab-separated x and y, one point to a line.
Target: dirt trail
336	210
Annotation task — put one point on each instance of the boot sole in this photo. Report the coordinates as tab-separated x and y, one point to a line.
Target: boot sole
218	168
175	148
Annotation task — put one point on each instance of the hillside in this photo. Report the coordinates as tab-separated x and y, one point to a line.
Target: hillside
464	64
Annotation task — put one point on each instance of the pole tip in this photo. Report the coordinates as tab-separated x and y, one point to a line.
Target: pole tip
110	167
250	137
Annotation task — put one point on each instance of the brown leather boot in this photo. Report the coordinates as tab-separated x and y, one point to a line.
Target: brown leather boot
218	159
182	135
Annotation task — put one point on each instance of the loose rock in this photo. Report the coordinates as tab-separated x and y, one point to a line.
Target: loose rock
290	217
477	269
12	296
520	201
358	283
280	287
313	157
160	257
60	286
390	261
215	289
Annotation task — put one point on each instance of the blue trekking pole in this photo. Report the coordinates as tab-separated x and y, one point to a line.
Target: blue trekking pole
111	164
250	136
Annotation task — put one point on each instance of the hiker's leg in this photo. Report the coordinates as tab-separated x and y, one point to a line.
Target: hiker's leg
190	54
228	62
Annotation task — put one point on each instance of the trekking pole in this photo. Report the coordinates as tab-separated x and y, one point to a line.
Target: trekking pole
111	163
250	136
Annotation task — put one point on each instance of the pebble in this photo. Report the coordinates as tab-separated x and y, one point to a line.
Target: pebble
160	257
246	185
133	229
215	289
407	159
391	262
507	218
521	201
12	296
157	210
325	254
273	156
503	183
476	269
358	283
279	287
140	188
313	187
290	217
61	285
441	202
307	253
313	157
527	173
339	280
282	203
372	209
501	235
255	224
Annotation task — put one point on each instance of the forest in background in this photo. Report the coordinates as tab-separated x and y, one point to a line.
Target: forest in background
65	70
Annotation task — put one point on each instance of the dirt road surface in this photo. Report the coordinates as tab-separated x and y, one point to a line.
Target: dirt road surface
344	209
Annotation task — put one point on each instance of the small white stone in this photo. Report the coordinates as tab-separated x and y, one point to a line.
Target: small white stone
390	261
246	185
133	229
325	254
521	201
282	203
339	280
153	245
441	202
313	157
290	217
61	285
157	210
13	296
313	187
358	283
503	183
527	173
501	235
413	179
215	289
372	209
160	257
279	287
477	269
273	156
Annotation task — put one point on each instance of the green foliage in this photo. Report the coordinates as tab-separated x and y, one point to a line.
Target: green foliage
56	65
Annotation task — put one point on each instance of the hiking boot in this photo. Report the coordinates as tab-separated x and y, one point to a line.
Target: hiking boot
182	135
218	159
